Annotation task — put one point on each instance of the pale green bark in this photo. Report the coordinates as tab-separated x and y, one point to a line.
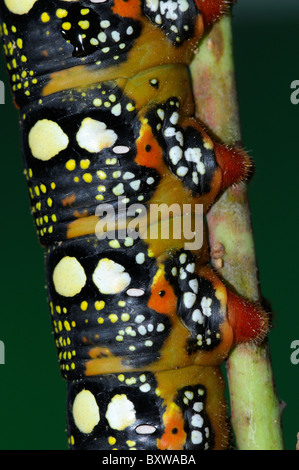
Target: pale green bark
255	409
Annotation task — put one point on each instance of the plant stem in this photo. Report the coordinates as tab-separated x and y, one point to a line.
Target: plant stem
255	409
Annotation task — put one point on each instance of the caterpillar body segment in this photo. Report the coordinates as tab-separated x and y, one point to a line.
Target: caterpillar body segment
141	323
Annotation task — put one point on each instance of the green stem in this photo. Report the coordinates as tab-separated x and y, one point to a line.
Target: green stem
255	409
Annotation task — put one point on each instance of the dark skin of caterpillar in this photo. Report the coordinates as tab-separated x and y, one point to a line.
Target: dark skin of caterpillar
141	324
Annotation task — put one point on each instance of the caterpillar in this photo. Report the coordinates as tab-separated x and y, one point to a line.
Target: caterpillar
141	323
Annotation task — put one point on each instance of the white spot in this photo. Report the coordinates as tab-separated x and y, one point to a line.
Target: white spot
183	274
183	258
194	155
94	136
194	285
85	411
197	316
206	306
153	5
145	388
175	154
135	292
69	277
140	258
170	132
130	30
102	36
46	139
145	429
128	175
19	7
119	189
169	8
174	118
179	137
135	185
104	23
139	318
198	406
115	36
150	180
189	395
120	412
110	277
160	327
142	330
121	149
196	437
158	19
190	267
197	421
116	110
183	5
189	299
161	114
182	171
195	178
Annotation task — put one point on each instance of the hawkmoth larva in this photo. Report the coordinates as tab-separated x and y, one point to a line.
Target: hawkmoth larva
141	324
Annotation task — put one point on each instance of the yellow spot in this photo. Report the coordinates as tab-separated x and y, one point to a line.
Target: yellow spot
114	244
46	139
20	44
113	317
125	317
70	165
86	411
87	177
53	185
131	443
97	101
101	174
111	440
130	107
84	24
61	13
43	188
67	326
24	58
45	17
69	277
49	202
84	11
100	320
66	25
84	305
19	7
84	164
99	304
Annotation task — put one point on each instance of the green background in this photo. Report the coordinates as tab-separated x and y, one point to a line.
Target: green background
32	394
